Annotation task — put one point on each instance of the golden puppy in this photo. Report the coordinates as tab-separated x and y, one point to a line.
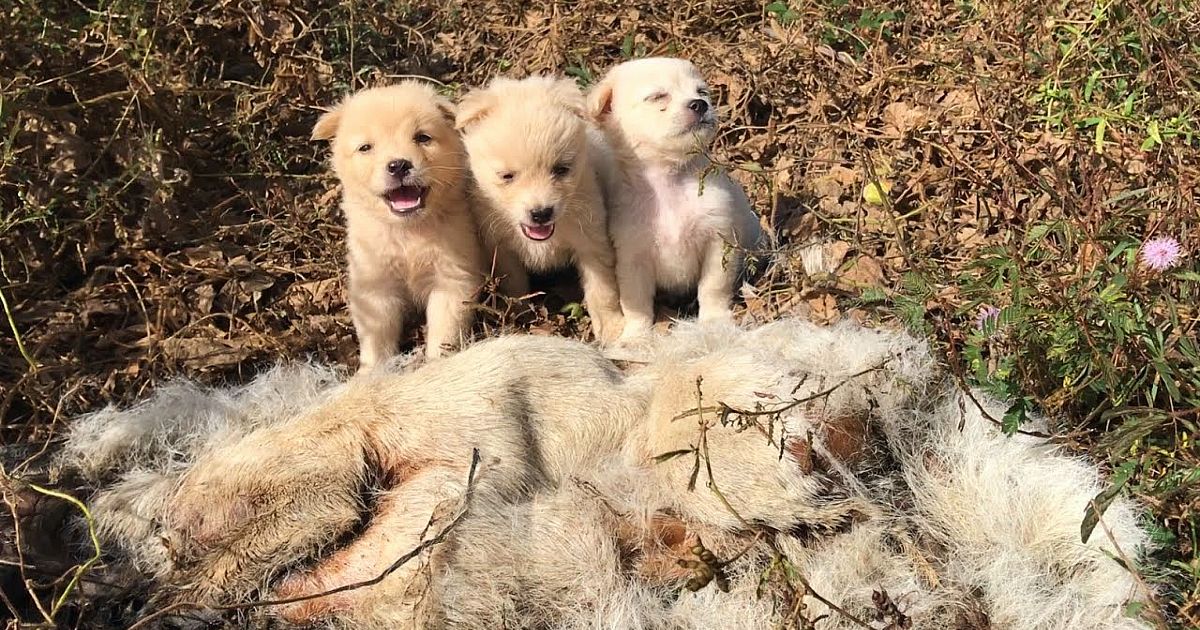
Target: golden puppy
540	172
677	222
411	237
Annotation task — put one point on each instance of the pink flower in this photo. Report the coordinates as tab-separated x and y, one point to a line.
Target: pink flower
987	314
1162	253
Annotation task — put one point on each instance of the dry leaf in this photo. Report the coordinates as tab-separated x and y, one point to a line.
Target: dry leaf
900	118
204	353
862	273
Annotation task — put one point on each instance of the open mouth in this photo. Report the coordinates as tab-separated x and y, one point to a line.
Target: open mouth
537	232
405	199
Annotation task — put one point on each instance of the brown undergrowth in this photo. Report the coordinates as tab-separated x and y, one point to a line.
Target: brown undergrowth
164	212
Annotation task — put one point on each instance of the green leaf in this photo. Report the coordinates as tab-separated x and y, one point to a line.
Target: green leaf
1189	276
1016	415
1098	505
1115	290
1037	233
873	295
1168	379
627	46
782	12
573	310
1127	105
1101	127
583	75
1091	85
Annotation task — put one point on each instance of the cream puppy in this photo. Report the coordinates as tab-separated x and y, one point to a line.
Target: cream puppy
411	237
678	222
540	172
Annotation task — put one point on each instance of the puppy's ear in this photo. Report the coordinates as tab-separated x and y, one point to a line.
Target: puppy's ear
567	93
474	107
446	107
599	99
327	125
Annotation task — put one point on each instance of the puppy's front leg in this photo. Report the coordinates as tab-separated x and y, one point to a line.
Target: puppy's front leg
600	292
448	316
719	272
637	283
417	510
377	309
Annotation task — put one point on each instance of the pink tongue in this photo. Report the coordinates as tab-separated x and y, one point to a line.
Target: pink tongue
404	198
539	232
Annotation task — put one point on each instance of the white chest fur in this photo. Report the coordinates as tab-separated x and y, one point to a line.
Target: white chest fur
674	216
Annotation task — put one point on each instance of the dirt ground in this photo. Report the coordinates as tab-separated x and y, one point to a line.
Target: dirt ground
164	212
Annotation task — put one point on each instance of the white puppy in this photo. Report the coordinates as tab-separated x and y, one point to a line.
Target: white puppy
678	222
540	170
411	237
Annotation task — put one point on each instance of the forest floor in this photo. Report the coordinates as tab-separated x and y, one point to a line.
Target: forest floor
164	212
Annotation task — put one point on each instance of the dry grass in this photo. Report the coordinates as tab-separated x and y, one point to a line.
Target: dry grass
164	212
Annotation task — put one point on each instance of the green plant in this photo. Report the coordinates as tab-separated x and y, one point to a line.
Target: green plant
782	12
1082	323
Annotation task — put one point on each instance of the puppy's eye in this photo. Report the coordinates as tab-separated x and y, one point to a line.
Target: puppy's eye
365	147
507	176
422	138
656	97
702	91
560	170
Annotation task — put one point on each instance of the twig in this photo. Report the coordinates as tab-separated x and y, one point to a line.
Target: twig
19	545
1159	617
702	450
726	409
832	606
12	325
83	568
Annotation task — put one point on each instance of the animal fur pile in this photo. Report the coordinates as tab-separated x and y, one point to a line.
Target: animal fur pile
740	478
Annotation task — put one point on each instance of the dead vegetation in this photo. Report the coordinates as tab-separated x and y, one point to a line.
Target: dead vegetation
165	213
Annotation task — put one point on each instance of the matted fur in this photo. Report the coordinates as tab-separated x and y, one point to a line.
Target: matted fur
572	524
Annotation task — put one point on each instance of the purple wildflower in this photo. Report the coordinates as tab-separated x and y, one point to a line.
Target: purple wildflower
987	314
1162	253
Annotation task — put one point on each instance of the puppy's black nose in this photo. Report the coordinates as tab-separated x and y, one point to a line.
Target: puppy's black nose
698	105
542	216
399	167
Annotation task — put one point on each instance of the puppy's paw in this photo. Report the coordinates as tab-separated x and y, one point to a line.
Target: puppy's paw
635	332
608	326
722	315
634	348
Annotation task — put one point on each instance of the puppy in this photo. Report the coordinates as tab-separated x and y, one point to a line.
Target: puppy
678	222
411	237
540	172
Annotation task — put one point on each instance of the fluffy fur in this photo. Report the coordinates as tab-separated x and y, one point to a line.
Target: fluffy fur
679	223
541	172
836	452
411	238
